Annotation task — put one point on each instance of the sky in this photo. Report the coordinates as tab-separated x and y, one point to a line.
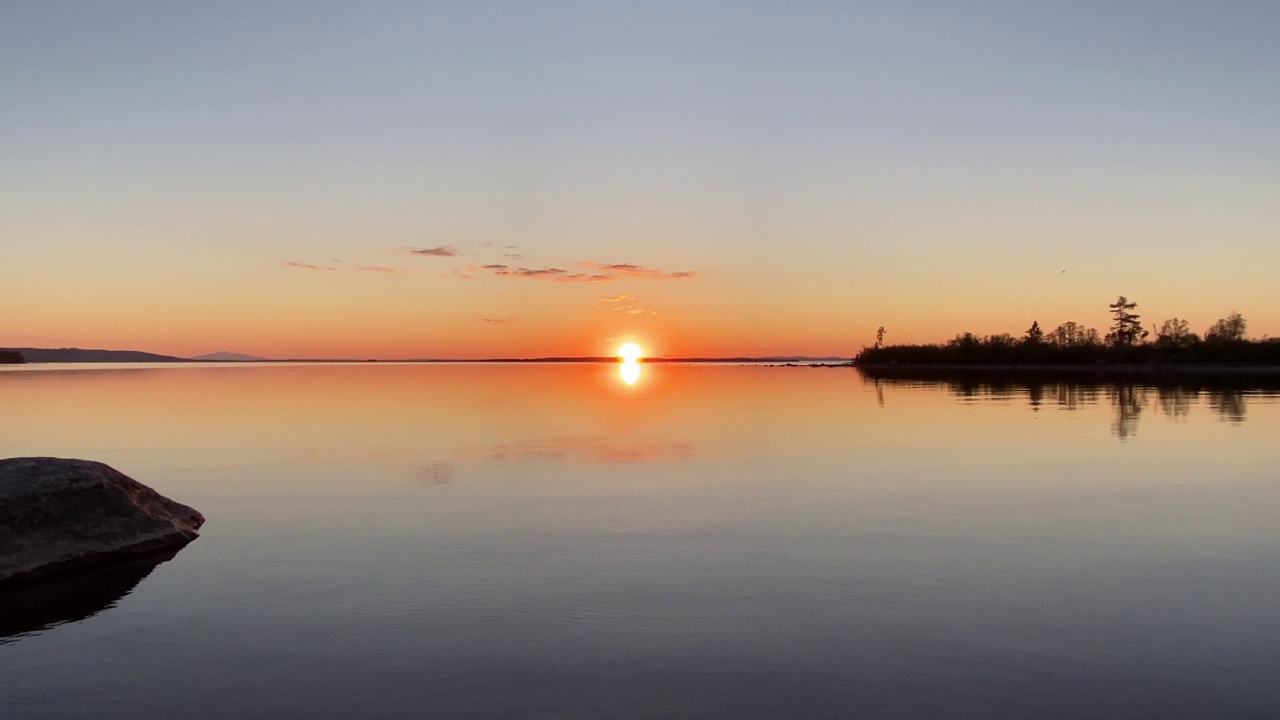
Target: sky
451	180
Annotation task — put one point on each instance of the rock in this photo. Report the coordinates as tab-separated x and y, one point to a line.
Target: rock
58	515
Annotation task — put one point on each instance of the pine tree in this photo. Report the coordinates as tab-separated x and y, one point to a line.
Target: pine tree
1034	335
1127	330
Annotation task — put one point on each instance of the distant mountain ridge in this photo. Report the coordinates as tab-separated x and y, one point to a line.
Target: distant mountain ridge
79	355
227	356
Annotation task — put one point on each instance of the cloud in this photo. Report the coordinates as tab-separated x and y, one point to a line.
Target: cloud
584	450
437	473
344	267
553	273
439	251
631	271
486	244
618	298
513	256
508	318
603	273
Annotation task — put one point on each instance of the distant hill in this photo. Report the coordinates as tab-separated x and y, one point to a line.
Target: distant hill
77	355
225	356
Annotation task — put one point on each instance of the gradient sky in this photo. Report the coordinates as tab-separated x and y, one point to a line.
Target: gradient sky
707	177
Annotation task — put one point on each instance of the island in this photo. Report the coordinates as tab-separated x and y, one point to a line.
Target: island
1127	347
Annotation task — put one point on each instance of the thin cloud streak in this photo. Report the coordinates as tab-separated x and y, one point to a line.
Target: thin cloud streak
639	272
604	273
309	266
438	251
343	267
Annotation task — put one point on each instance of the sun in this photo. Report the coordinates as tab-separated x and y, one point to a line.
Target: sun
630	352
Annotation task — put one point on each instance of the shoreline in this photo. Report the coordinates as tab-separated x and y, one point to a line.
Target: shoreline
1092	369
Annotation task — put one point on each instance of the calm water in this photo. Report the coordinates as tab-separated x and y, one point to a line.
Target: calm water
737	542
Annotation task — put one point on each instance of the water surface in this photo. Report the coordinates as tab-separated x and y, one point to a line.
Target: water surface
548	541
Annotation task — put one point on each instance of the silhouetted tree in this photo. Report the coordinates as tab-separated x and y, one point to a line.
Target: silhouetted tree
11	357
1070	334
1127	330
1229	329
1176	333
1034	335
1073	344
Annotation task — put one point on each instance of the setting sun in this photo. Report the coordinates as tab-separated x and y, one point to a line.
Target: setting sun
630	352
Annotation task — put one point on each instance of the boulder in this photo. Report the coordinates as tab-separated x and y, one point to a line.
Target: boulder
58	515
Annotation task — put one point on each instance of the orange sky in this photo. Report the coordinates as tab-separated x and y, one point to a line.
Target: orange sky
424	310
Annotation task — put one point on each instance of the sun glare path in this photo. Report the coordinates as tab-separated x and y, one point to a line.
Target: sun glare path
630	352
630	372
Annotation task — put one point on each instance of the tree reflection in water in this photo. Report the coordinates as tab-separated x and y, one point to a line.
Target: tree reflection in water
1128	394
1128	401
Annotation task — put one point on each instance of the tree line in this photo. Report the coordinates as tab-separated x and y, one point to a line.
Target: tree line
1127	341
11	357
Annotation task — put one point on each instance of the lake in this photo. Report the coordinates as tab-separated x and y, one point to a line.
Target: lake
687	541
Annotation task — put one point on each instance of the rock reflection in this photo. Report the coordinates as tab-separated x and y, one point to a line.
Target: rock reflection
1128	395
72	597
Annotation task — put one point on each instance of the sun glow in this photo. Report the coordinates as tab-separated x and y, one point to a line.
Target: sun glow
629	372
630	352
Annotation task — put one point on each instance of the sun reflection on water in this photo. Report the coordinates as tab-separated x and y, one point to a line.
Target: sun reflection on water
629	371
